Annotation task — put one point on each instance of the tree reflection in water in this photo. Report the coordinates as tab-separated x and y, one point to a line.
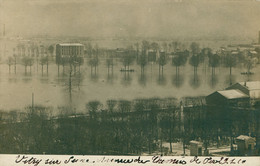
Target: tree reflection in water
127	78
142	80
195	81
177	80
161	80
213	81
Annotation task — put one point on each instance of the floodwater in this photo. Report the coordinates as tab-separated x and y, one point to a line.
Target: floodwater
53	90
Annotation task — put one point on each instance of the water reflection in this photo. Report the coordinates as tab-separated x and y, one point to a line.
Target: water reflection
161	80
127	78
230	79
110	78
44	79
177	80
78	79
27	77
94	77
195	81
142	79
12	79
213	80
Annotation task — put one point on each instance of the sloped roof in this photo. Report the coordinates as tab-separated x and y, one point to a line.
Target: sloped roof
195	142
244	137
251	85
70	44
232	94
253	52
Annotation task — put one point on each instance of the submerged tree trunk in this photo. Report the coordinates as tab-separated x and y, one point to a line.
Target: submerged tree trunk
58	69
9	68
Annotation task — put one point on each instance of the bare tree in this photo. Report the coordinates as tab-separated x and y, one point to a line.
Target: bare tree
10	62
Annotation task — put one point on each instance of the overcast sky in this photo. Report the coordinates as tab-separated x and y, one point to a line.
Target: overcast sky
143	18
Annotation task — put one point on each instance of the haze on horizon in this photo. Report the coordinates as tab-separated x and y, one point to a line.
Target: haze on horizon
136	18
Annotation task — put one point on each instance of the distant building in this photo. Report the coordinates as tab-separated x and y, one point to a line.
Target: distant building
250	88
69	49
152	56
232	97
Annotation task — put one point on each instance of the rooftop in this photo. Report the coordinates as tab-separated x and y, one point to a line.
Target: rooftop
244	137
251	85
195	142
232	94
70	44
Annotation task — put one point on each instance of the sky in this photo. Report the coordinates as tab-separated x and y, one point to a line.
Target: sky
135	18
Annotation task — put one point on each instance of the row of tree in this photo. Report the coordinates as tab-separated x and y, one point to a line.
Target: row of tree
123	127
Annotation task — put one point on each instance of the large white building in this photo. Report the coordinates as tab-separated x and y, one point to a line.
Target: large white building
69	49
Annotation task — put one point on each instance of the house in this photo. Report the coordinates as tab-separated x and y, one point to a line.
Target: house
195	148
245	145
250	88
232	97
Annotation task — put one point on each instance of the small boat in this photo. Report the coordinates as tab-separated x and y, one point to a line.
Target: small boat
127	70
247	73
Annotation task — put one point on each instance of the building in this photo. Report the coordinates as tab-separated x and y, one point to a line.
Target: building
232	97
250	88
245	145
195	148
66	50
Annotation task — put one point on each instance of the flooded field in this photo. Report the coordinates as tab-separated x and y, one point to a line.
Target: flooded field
52	89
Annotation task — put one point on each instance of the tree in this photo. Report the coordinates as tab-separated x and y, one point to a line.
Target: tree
229	61
145	46
26	61
214	62
165	47
195	49
30	63
43	61
155	46
93	62
142	61
137	49
79	61
250	63
127	59
93	107
162	60
110	63
89	49
51	50
37	56
15	60
179	59
111	105
195	60
124	107
10	62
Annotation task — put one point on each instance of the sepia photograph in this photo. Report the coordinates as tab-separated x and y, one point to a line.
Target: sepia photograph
130	77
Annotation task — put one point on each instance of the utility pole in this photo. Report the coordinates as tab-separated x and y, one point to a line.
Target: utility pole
32	101
4	30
